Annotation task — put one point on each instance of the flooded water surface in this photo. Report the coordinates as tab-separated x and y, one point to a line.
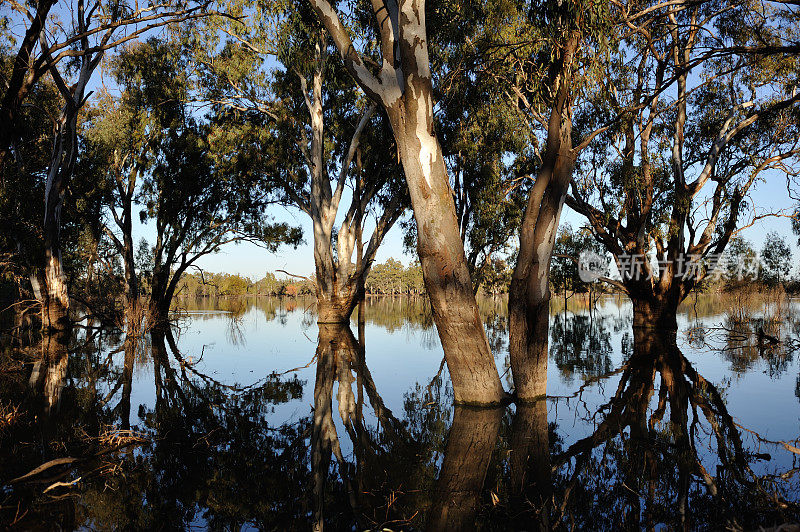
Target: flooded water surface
248	415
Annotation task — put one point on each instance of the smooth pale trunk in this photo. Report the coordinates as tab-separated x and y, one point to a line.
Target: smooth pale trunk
529	293
441	254
405	91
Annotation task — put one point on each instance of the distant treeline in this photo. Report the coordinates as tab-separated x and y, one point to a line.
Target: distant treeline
768	269
387	278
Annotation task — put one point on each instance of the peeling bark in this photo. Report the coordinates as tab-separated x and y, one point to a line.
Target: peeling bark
529	293
404	89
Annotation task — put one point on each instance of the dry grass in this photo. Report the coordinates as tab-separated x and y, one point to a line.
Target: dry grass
740	305
9	415
743	304
111	437
775	305
138	320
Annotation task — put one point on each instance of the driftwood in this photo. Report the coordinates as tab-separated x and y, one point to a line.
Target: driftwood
43	467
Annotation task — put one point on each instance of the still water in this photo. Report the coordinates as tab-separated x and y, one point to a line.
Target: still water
250	416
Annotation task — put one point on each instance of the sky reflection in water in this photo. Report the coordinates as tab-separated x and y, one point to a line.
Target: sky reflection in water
253	417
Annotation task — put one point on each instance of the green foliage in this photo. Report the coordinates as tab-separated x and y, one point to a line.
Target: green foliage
776	259
196	199
392	278
205	284
740	257
566	252
22	193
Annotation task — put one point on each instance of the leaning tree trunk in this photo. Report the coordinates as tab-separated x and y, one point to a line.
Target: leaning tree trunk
405	91
529	293
21	80
441	255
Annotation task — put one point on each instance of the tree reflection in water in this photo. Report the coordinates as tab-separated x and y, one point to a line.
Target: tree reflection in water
650	463
663	450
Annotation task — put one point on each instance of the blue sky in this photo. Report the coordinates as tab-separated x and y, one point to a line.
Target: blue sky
251	261
254	262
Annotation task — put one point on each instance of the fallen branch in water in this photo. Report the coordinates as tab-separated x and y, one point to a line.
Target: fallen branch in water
294	275
44	467
313	359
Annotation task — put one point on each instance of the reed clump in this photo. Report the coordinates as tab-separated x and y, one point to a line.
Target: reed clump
740	304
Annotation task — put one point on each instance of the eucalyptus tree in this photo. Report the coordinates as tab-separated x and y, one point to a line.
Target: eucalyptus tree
529	64
776	259
741	262
171	163
668	185
20	218
69	51
486	143
397	76
533	67
116	154
316	141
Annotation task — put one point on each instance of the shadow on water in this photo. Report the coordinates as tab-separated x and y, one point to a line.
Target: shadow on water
141	435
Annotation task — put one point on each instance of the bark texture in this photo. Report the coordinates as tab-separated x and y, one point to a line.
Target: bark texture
659	313
529	293
403	88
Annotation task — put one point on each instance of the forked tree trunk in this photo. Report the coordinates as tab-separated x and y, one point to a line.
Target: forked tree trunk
470	444
655	312
404	89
